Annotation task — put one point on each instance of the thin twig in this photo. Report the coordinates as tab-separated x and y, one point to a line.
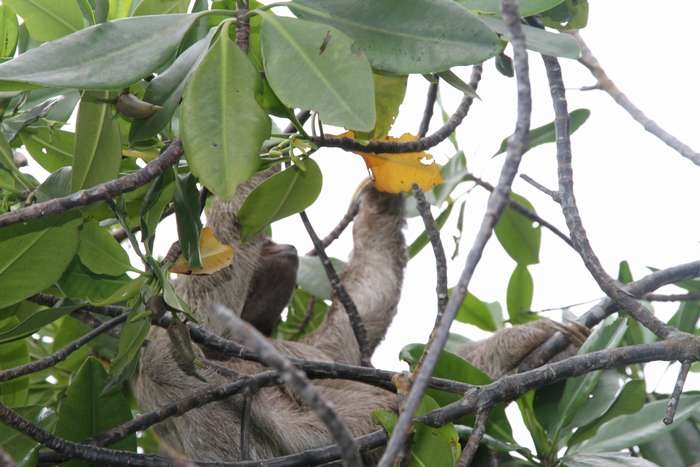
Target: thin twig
101	192
339	291
551	193
242	25
429	106
440	260
296	381
571	212
676	394
681	297
558	342
524	211
307	317
352	211
61	354
607	85
475	437
496	203
421	144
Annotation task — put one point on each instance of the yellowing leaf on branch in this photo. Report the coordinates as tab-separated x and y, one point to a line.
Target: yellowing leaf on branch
396	173
215	256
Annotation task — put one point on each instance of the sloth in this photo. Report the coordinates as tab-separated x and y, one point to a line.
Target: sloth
259	282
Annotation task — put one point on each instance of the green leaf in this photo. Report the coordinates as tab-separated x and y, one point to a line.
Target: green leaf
9	32
160	7
434	447
519	295
420	36
493	7
159	195
606	459
56	185
296	315
678	448
578	390
389	92
453	367
98	151
119	54
545	134
527	411
131	338
189	224
517	235
638	428
85	411
539	40
456	82
567	16
166	90
422	240
101	253
312	277
223	126
47	20
486	316
81	283
630	400
329	76
51	148
34	322
281	195
34	255
14	393
686	318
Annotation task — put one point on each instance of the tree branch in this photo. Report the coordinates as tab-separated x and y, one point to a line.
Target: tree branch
101	192
496	203
607	85
429	106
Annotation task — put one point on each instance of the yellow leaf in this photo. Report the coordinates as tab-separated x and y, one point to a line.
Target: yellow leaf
215	256
396	173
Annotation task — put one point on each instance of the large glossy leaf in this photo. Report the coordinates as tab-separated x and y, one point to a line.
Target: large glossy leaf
52	149
453	367
578	390
223	126
85	411
98	289
678	448
189	223
9	32
33	322
493	7
638	428
539	40
312	277
131	338
110	55
314	66
160	7
434	447
516	233
486	316
420	36
166	90
33	256
545	134
630	400
14	392
519	295
98	149
281	195
47	20
389	91
607	459
101	253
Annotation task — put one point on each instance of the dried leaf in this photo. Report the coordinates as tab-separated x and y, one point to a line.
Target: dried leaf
396	173
215	256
